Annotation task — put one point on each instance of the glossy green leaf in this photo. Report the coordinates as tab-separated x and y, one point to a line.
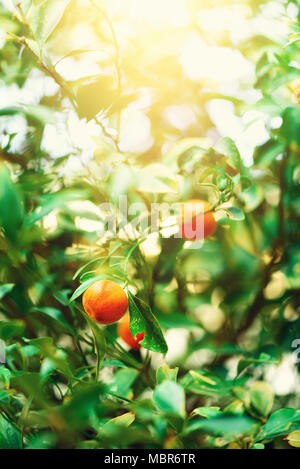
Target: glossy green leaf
143	320
279	423
10	437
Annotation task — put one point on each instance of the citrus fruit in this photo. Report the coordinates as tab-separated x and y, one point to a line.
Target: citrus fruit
197	220
105	301
125	333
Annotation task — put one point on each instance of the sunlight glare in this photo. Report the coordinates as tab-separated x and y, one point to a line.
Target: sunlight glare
220	64
220	19
155	12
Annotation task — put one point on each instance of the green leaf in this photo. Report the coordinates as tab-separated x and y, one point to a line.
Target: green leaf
227	147
252	198
279	423
262	359
44	16
79	412
30	384
271	84
143	320
268	105
225	425
184	146
290	129
265	155
62	297
5	375
10	111
5	288
8	25
48	365
176	320
165	373
11	208
4	397
204	383
57	355
41	114
294	439
262	397
49	202
113	248
114	363
170	399
258	446
207	412
93	94
42	343
55	314
99	260
37	112
41	441
123	420
10	329
235	407
10	437
81	289
99	340
235	213
123	381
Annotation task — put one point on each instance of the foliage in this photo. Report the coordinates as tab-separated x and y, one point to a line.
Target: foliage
69	382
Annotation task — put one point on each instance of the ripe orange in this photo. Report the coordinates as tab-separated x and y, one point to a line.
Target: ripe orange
125	334
196	214
105	301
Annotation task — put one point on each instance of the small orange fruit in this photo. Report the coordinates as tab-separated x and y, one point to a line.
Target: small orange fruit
197	220
125	333
105	301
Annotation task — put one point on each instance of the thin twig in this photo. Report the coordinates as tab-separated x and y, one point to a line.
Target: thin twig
107	134
56	77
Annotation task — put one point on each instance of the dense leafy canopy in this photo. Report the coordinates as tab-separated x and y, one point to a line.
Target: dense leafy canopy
106	109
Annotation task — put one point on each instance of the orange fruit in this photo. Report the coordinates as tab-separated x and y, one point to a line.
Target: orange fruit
105	301
125	333
196	214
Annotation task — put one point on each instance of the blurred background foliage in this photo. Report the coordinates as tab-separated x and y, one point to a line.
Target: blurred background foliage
160	102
